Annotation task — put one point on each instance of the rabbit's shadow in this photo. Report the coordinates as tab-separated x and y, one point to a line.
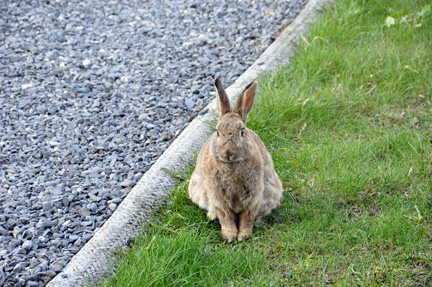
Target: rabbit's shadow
276	217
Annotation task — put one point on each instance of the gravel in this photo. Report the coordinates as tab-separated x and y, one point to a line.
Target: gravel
91	94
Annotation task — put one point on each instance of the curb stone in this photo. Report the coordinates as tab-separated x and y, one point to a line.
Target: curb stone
95	259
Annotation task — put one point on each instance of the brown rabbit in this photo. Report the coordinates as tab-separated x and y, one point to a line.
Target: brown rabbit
234	178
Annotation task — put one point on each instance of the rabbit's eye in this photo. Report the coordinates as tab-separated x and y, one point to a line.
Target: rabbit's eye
242	132
217	133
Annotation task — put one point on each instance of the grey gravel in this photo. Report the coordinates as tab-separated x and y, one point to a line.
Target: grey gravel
27	245
91	94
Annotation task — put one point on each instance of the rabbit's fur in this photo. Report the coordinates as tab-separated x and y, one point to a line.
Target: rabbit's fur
234	178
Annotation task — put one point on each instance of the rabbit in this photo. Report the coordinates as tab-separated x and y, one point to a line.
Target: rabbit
234	178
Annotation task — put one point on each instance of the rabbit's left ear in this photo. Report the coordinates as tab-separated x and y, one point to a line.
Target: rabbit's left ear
245	101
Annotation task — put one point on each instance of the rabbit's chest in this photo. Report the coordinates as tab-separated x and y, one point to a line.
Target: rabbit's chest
237	190
236	195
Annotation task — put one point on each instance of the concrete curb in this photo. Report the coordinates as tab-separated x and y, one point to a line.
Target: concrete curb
96	258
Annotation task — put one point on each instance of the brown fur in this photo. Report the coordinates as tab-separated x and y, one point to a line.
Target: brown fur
234	178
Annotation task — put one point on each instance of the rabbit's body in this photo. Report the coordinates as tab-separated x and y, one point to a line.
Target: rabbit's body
234	179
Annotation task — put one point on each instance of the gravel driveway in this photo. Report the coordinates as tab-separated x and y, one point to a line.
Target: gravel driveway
91	94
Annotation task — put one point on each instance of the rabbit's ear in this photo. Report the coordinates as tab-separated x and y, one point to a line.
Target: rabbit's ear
245	101
223	100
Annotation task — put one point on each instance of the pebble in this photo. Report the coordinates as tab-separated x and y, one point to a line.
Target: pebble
112	206
93	207
14	243
27	245
91	95
84	211
287	275
128	183
86	63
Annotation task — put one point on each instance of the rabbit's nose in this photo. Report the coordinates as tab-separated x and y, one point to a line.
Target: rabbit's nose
229	151
229	155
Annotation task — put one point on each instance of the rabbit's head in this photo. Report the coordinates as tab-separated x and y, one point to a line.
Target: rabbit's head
232	142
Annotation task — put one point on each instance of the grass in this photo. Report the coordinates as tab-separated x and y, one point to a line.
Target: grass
349	126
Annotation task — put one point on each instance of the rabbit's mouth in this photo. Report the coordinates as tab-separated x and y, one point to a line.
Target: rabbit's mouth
230	159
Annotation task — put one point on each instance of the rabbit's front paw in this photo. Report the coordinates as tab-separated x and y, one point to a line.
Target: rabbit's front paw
211	215
229	235
243	234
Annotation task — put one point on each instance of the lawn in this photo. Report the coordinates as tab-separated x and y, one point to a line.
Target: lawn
349	126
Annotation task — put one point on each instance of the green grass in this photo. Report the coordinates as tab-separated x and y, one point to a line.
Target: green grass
349	125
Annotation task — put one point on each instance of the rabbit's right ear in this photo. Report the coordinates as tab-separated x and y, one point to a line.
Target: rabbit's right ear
223	100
